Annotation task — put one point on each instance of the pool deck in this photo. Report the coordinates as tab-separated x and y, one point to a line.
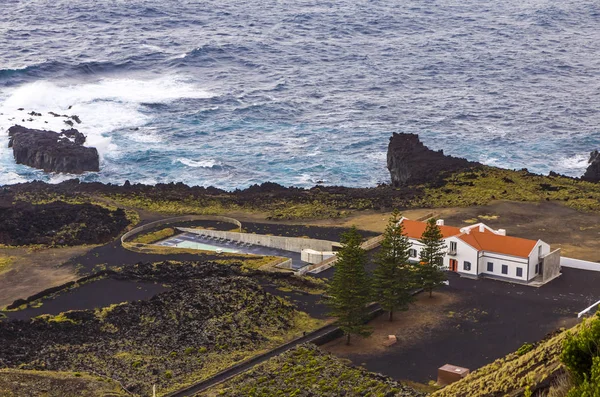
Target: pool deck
230	246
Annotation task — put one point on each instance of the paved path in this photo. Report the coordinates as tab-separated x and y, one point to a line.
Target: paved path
246	365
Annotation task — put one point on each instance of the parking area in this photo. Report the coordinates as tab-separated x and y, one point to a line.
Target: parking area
471	323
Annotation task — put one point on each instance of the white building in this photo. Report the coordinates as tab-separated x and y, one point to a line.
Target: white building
480	251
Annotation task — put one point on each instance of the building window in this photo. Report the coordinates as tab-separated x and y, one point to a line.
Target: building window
412	252
539	251
537	268
519	272
453	247
504	269
490	266
467	266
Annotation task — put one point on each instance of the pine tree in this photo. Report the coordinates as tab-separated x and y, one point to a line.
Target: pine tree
392	279
431	269
350	287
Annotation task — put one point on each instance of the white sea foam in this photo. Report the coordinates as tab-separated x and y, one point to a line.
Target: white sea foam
198	164
103	106
8	178
577	162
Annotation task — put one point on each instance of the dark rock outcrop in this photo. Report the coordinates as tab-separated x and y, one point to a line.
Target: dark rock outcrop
412	163
592	174
53	151
59	223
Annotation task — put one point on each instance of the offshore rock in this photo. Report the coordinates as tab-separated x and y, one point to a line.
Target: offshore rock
53	151
592	174
412	163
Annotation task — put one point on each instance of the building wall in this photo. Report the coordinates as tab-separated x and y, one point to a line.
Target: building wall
464	253
479	260
294	244
534	257
512	262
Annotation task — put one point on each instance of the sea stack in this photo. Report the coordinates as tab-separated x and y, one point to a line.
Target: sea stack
53	151
592	174
412	163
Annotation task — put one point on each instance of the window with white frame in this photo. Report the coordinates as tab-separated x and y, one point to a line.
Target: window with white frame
519	272
490	266
412	253
467	266
504	269
453	246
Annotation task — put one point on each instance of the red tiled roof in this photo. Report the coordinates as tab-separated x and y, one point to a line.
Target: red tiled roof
499	244
415	229
482	241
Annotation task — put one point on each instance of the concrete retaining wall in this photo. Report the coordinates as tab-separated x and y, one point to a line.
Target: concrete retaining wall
579	264
294	244
551	265
312	256
179	219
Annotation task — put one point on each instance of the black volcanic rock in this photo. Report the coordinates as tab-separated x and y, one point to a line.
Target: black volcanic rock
412	163
592	173
53	151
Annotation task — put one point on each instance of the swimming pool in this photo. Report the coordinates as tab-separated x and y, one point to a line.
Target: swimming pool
202	246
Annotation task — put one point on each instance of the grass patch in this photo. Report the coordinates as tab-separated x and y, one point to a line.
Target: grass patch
153	237
6	263
307	371
16	383
485	184
509	376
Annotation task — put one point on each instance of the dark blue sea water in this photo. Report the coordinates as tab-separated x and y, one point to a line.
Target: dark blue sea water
230	93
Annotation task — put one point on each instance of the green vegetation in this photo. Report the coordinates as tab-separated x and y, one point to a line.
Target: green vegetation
5	263
155	236
307	371
566	364
485	184
18	383
350	287
212	317
430	270
590	385
393	277
510	375
527	347
581	356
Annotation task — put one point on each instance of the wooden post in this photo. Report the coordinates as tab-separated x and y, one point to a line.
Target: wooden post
154	390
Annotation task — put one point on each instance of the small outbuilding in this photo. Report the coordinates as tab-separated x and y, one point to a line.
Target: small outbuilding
449	373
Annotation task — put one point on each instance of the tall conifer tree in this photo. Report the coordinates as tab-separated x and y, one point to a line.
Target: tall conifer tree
350	287
392	279
431	269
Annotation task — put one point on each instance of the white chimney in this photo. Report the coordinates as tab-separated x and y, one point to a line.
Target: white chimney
481	228
501	232
439	222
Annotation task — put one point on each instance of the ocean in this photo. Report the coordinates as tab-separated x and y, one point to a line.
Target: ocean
230	93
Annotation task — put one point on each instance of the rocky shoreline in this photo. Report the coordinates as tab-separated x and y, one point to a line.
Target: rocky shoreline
53	151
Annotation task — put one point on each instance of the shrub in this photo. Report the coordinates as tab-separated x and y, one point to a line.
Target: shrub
189	350
527	347
168	374
579	350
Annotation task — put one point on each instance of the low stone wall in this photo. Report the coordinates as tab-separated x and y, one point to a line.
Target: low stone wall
579	264
179	219
294	244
